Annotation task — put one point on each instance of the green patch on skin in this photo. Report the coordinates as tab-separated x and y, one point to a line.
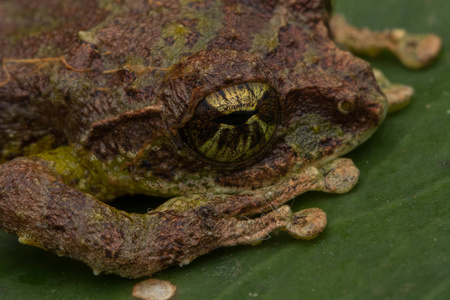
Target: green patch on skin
14	148
112	6
62	84
178	33
103	180
310	57
65	162
186	2
42	145
119	176
70	163
49	51
10	150
89	37
134	59
267	40
306	133
208	22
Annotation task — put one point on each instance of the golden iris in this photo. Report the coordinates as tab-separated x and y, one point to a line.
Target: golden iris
233	124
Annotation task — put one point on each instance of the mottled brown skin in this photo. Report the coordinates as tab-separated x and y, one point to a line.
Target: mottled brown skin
114	90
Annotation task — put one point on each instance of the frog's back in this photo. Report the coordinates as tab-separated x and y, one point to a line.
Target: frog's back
29	30
55	81
75	65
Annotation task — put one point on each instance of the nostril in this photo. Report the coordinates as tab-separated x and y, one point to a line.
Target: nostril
345	106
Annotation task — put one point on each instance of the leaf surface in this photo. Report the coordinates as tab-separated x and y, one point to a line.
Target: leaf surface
389	238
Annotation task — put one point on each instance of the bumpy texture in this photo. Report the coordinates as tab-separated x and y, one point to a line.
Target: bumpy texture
106	98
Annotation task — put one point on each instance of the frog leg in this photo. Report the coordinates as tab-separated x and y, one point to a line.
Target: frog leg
414	51
43	211
398	95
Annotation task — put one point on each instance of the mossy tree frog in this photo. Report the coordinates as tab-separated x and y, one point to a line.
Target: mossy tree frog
226	108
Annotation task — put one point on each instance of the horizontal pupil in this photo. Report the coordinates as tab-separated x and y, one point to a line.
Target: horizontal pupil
235	118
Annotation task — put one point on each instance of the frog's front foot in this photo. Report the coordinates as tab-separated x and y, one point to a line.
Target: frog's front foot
339	176
398	95
305	224
414	51
43	211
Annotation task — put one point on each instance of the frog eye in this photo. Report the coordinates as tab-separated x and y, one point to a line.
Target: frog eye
233	124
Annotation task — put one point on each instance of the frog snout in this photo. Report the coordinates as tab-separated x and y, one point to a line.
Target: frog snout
380	107
372	114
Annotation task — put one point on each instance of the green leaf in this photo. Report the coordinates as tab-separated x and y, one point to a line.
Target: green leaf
386	239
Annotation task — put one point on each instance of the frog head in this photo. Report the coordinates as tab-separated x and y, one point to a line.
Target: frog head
226	121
